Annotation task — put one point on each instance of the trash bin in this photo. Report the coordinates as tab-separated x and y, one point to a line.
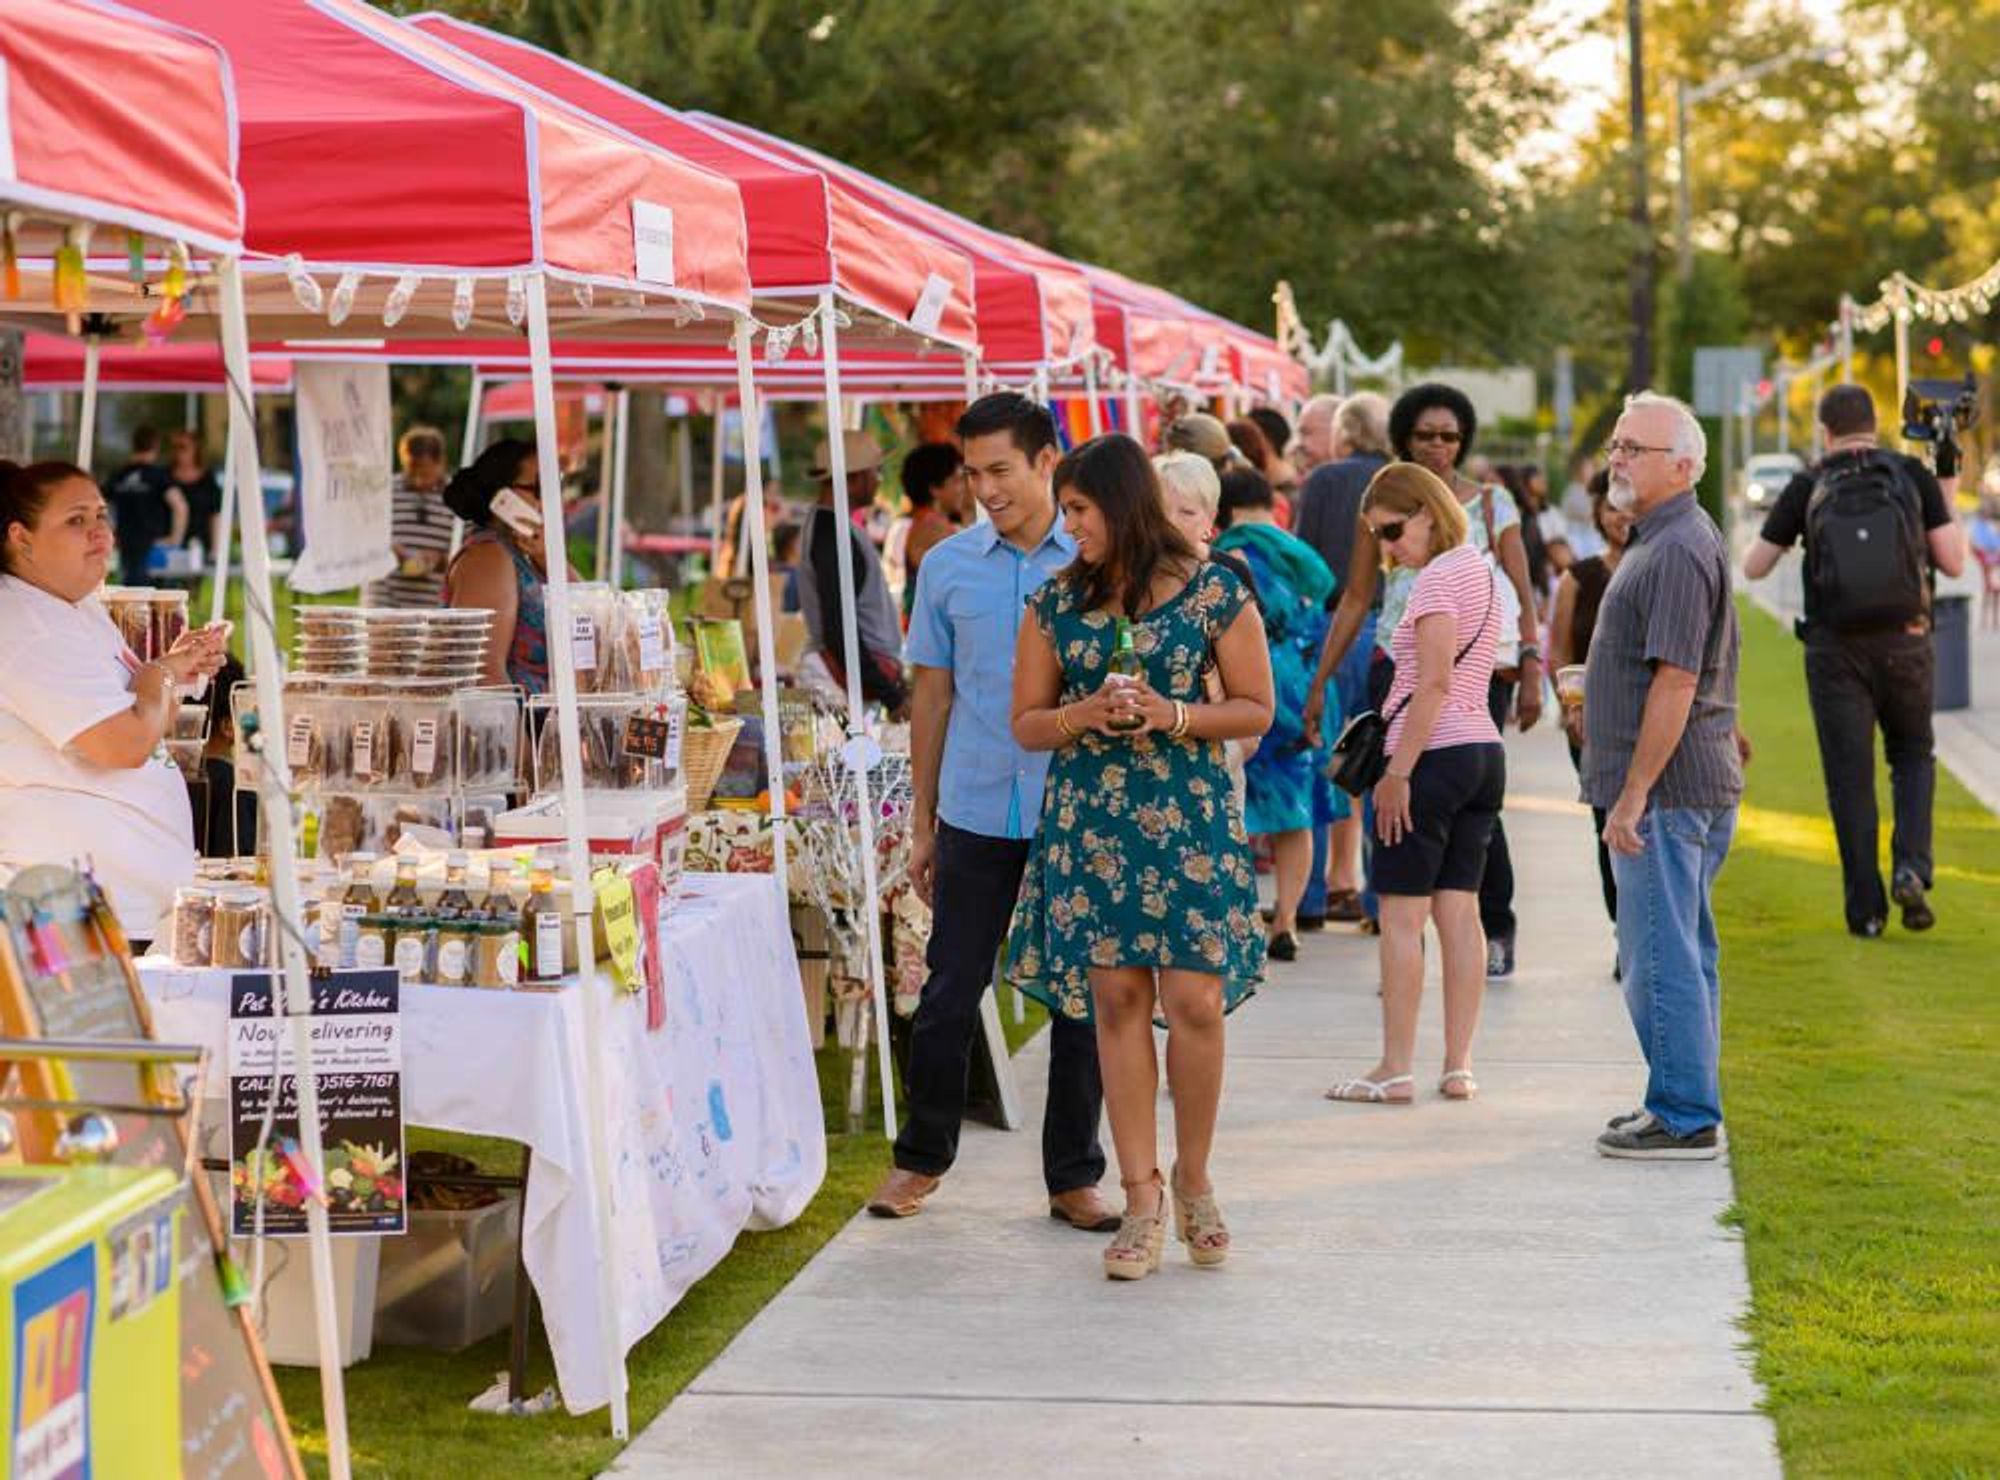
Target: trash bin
1951	638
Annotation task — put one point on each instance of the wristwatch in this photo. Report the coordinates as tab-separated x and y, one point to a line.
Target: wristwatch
1530	650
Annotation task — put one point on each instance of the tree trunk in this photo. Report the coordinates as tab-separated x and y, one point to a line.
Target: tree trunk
1639	372
14	429
648	488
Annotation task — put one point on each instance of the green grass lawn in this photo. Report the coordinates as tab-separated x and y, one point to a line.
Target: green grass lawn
406	1407
1861	1079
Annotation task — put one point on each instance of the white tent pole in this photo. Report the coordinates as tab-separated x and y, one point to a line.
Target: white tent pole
86	421
760	575
569	735
971	377
225	533
715	539
684	466
294	1001
620	464
468	452
1135	409
1090	391
605	476
857	716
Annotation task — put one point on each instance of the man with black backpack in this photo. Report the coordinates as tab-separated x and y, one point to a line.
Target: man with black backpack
1876	525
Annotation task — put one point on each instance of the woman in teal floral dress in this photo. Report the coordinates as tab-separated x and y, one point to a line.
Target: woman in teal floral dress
1140	888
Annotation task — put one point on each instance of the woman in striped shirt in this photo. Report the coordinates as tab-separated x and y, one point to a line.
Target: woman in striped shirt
1436	805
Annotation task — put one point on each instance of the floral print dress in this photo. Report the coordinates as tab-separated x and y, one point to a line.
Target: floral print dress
1141	859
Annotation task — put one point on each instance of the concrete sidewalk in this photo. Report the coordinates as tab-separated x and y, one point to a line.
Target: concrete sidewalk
1449	1289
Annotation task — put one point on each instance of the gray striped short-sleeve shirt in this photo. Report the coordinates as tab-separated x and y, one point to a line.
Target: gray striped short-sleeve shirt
1669	602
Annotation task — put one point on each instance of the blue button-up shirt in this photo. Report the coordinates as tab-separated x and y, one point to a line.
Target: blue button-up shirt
971	593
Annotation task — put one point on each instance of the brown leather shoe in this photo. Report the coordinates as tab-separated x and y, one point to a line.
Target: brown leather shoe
902	1194
1085	1208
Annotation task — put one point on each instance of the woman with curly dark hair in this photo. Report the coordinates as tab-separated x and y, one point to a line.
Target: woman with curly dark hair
1433	425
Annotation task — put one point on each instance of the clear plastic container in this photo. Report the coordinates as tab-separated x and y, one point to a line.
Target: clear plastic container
449	1281
607	764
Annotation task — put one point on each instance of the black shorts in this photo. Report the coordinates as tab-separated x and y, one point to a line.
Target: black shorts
1455	797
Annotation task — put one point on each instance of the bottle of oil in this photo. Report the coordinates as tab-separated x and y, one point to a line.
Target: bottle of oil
403	899
456	900
1125	663
541	928
499	901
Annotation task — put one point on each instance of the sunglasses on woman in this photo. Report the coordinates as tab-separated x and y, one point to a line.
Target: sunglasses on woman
1389	533
1437	434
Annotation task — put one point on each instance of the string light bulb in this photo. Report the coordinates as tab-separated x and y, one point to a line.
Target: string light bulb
461	304
342	302
307	291
398	302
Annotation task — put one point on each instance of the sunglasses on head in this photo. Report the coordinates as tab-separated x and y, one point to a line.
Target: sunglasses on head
1437	434
1389	533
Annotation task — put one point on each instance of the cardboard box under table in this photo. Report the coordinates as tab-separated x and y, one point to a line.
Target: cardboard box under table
715	1123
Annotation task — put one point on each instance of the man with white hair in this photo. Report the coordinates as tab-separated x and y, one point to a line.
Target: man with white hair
1661	756
1313	437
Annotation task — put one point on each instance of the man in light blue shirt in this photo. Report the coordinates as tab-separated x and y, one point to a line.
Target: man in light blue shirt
978	800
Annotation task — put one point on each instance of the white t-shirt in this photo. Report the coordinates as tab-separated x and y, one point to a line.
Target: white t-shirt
64	672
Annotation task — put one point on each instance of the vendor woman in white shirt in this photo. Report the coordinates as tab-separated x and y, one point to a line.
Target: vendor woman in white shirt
83	773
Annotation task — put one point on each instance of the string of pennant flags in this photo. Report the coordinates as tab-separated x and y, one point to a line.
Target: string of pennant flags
1340	357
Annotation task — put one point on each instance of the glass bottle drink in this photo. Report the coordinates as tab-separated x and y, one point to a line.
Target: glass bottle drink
499	901
1125	664
542	929
403	898
457	898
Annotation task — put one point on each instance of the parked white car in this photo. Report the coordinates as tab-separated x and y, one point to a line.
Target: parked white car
1765	476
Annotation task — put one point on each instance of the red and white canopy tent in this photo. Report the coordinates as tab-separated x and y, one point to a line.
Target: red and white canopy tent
50	362
85	85
441	202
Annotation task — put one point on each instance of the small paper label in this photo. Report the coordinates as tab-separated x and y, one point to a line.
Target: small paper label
409	956
424	748
298	742
678	719
618	910
451	961
653	242
548	947
929	312
364	749
369	950
652	644
583	643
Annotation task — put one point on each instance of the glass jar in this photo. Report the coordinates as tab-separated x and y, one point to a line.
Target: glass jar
372	941
194	926
411	947
241	929
454	952
496	954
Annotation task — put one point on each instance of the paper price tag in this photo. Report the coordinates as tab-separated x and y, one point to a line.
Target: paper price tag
648	737
925	317
583	643
678	723
424	747
652	644
364	748
618	913
298	742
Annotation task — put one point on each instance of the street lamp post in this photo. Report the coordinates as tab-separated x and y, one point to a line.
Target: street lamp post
1685	99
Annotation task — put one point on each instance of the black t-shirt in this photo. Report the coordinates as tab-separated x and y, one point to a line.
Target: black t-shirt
1329	506
137	494
1785	525
204	501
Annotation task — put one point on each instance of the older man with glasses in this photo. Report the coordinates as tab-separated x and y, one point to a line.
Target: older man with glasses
1663	756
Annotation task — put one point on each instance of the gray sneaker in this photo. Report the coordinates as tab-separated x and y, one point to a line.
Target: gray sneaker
1499	959
1648	1139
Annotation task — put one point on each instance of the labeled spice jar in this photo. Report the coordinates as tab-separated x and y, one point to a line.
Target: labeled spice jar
241	927
194	926
496	954
372	941
454	952
411	947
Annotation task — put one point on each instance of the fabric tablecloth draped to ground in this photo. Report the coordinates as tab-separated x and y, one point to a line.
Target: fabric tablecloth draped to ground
715	1122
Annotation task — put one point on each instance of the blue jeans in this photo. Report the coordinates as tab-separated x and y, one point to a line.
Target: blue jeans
1669	952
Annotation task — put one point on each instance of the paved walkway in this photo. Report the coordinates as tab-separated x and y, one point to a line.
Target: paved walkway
1449	1289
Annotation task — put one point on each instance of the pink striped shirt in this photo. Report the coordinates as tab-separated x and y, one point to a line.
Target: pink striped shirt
1459	584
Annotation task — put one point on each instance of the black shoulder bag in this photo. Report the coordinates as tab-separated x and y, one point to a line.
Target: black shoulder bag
1361	754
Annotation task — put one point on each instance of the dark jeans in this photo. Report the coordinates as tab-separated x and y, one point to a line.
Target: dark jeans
1604	874
974	885
1856	683
1496	887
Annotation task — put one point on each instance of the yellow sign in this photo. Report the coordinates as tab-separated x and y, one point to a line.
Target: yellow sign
618	914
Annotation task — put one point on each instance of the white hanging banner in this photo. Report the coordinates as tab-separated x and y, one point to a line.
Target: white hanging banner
653	243
931	303
344	471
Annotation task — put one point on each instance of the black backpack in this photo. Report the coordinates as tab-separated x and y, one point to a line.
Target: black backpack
1865	537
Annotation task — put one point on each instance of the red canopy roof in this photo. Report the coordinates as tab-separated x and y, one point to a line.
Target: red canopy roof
1033	308
808	232
50	362
369	145
86	92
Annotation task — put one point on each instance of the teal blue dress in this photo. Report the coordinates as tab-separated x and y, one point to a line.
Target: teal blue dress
1141	859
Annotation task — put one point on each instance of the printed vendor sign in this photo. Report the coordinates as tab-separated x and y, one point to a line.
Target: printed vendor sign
54	1312
357	1052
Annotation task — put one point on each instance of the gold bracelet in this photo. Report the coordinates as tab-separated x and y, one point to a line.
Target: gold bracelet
1063	724
1180	721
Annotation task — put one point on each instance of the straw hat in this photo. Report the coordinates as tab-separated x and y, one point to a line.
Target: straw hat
862	455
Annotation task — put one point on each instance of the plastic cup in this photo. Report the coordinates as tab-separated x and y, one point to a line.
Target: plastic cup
1569	684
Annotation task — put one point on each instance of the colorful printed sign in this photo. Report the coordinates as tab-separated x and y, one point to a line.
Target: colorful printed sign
53	1314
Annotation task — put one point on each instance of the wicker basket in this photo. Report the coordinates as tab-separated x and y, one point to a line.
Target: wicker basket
703	753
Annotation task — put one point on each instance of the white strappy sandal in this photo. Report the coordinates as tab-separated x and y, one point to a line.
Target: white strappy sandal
1458	1076
1373	1091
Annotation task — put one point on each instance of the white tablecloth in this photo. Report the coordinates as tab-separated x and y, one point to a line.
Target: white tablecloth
715	1119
